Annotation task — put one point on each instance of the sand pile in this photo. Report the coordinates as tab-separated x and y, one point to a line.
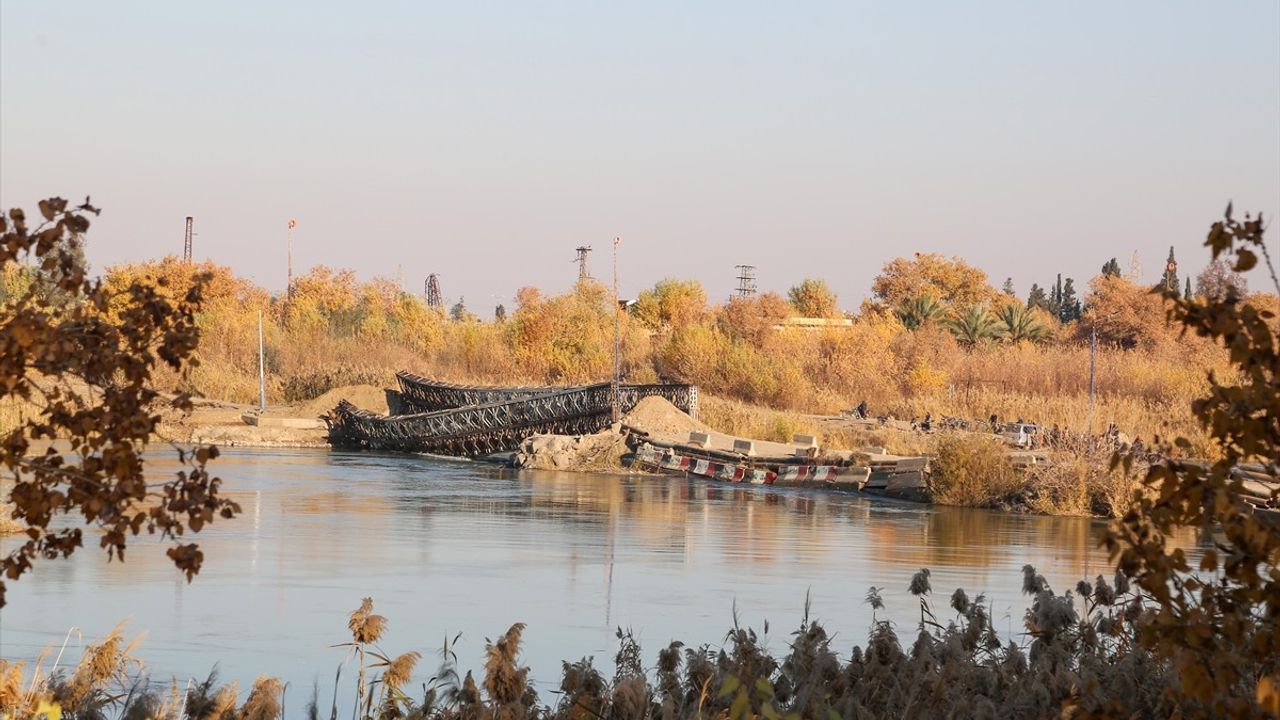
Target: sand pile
658	417
600	452
365	397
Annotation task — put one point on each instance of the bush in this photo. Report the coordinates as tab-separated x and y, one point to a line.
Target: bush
972	470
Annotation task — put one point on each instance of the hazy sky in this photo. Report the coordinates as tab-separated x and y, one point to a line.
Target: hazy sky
484	141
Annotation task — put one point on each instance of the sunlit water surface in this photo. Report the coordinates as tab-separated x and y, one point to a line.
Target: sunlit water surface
449	547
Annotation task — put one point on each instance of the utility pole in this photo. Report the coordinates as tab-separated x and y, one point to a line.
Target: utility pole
617	336
289	288
186	244
1093	354
434	299
262	369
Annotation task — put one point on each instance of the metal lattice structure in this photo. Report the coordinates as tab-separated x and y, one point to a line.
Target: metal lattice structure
582	251
434	298
418	394
746	281
499	425
186	241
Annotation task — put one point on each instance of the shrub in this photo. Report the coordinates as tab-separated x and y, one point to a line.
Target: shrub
971	470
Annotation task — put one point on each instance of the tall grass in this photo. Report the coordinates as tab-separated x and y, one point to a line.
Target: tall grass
1078	656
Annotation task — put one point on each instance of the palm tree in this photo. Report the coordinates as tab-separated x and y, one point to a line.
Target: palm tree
1019	323
919	310
975	326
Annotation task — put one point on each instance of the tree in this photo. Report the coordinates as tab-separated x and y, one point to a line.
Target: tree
1124	314
1007	289
814	298
460	313
1037	297
1020	323
1218	281
919	311
500	313
952	281
974	326
1111	268
1217	623
86	368
1186	294
1169	281
1068	304
671	304
752	319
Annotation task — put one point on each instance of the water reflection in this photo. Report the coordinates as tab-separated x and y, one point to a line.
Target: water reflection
447	547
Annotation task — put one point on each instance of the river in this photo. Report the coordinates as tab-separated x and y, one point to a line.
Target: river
448	547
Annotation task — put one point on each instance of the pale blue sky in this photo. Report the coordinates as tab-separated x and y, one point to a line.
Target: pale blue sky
485	141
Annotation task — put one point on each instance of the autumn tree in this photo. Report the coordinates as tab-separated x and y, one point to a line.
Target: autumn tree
670	304
814	298
1123	314
1217	621
953	281
84	365
752	318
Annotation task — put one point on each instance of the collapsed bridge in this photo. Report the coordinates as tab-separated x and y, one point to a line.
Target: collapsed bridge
473	421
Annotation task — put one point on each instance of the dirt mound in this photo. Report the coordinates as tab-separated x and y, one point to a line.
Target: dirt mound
657	416
365	397
600	452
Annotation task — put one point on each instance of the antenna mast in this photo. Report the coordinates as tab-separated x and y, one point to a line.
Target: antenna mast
289	288
186	244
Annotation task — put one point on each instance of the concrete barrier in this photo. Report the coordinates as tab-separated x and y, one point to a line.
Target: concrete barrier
744	447
699	439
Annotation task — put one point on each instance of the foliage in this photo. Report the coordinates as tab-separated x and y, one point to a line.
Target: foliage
1124	314
971	469
671	304
86	361
976	325
920	311
814	298
1218	280
1111	268
952	281
1218	623
1022	323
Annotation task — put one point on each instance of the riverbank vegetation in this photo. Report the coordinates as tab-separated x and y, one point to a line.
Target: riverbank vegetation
936	339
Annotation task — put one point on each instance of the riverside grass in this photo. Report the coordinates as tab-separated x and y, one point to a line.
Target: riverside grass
1077	657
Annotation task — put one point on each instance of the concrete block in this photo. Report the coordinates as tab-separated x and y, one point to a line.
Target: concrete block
699	439
806	441
875	450
744	447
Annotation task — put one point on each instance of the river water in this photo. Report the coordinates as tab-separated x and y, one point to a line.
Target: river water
447	547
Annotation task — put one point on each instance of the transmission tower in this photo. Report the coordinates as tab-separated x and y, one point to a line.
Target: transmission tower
434	300
582	262
186	243
1135	268
746	281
